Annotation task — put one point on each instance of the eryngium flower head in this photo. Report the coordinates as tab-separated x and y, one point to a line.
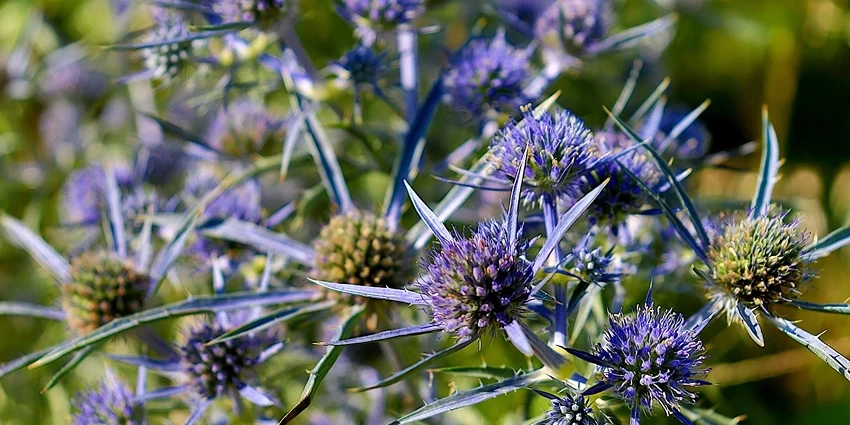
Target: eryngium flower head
215	370
651	358
592	264
489	76
173	50
623	195
74	80
359	248
108	404
575	23
477	283
241	202
569	410
103	287
561	148
363	65
691	144
759	260
82	199
382	14
244	128
259	11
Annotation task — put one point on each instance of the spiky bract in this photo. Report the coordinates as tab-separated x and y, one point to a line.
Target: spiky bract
172	47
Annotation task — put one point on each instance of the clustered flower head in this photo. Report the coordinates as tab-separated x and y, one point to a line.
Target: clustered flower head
171	47
649	358
262	11
489	75
73	80
575	24
561	149
215	370
103	287
623	195
569	410
363	65
592	264
243	128
477	283
382	14
241	202
82	199
357	247
107	404
759	260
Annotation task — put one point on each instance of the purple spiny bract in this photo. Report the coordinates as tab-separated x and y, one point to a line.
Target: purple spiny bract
489	76
243	127
107	404
575	23
561	148
569	410
215	370
651	358
383	14
477	283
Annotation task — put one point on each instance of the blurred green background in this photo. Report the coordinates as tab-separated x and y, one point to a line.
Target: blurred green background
791	55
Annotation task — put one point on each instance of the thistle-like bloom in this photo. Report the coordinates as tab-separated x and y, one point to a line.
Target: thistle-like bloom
260	11
73	80
479	283
560	146
171	47
110	403
82	199
358	248
576	24
244	128
362	65
103	287
489	76
649	358
382	14
623	195
759	260
568	410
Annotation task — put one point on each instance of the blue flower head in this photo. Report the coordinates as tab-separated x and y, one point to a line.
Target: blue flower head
382	14
73	80
650	358
259	11
244	128
363	65
479	283
575	24
489	75
561	148
592	264
82	200
171	49
623	195
110	403
569	410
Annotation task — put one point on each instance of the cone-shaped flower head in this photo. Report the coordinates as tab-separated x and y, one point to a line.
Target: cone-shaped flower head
575	24
363	65
561	148
650	358
489	75
478	283
103	287
244	128
759	260
216	370
172	50
569	410
382	14
359	248
107	404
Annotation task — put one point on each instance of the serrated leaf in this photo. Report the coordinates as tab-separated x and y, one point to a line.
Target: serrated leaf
769	169
751	324
428	217
390	334
276	317
388	294
826	353
631	36
831	242
836	308
477	372
261	238
421	364
12	308
40	250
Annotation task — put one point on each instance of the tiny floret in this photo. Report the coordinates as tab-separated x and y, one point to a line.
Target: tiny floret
759	260
561	148
107	404
103	287
478	283
650	358
569	410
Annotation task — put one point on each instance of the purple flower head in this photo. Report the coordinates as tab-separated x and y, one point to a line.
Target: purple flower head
59	126
82	199
218	369
623	195
248	10
561	148
381	14
241	202
592	264
478	283
691	144
110	403
73	80
163	60
489	75
759	261
363	65
575	24
243	128
649	358
569	410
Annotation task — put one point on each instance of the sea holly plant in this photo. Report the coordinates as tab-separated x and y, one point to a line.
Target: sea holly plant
755	264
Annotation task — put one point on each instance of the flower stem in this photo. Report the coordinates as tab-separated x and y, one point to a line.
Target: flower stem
409	70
